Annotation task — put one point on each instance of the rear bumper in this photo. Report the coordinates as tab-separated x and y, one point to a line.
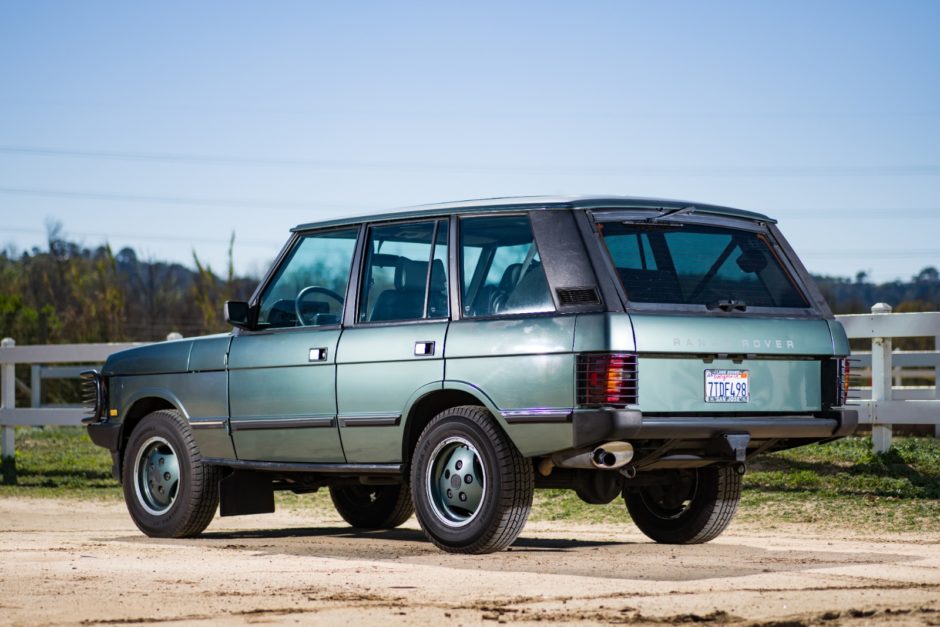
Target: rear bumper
594	426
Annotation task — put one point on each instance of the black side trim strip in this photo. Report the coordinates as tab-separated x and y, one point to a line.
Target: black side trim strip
207	423
369	421
530	416
286	423
330	469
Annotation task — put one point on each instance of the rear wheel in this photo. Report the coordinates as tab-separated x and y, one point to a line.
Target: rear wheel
694	508
373	506
169	492
472	489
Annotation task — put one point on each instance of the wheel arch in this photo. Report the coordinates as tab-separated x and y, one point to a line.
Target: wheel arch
144	402
428	403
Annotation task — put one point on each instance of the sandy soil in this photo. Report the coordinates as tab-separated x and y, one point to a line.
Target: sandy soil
65	562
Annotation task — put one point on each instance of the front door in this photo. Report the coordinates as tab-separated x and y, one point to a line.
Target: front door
282	376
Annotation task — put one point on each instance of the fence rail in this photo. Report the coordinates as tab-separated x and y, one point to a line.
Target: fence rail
37	356
885	403
888	404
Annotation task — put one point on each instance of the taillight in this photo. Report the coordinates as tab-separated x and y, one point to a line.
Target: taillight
607	380
843	376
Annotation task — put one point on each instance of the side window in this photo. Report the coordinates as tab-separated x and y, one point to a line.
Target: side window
501	269
309	287
405	274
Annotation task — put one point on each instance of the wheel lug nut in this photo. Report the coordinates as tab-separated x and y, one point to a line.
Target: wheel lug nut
447	474
468	479
463	497
450	494
459	464
161	461
166	476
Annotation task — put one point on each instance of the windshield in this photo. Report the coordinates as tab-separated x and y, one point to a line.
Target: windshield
688	264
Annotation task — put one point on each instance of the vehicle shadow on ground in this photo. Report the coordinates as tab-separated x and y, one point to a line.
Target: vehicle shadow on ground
636	560
392	535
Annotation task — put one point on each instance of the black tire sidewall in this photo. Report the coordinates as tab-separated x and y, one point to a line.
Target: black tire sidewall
159	424
383	513
689	524
477	529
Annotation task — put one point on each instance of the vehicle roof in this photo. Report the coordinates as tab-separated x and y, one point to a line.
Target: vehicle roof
530	203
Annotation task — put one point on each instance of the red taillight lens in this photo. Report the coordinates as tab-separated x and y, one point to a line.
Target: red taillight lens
845	375
607	380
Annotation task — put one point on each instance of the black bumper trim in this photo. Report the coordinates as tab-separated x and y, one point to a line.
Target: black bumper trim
106	434
590	427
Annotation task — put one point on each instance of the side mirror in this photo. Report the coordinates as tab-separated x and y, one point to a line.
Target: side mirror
238	314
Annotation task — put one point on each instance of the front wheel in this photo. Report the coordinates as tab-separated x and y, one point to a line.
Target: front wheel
169	492
471	487
695	507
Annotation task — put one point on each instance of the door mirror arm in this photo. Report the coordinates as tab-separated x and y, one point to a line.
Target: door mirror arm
239	314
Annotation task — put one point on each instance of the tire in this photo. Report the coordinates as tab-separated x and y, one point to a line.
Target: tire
692	510
486	513
181	501
373	507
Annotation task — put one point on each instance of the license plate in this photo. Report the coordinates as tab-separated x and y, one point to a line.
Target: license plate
727	386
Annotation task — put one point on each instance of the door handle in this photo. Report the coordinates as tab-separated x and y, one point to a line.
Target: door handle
424	349
318	354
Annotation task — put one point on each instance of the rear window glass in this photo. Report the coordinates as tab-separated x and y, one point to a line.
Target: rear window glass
691	264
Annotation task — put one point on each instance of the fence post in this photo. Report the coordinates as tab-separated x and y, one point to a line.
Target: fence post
880	382
936	382
8	401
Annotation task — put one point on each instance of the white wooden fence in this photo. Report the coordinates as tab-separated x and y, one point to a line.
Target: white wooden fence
885	403
37	356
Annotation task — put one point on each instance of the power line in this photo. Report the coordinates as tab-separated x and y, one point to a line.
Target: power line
272	245
580	170
170	200
801	213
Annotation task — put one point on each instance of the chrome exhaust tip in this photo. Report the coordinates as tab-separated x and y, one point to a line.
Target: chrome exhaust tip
612	455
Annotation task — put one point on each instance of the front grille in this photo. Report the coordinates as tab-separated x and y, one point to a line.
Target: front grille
93	395
578	296
607	380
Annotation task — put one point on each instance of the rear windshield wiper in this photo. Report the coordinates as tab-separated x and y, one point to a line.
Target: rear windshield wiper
666	213
728	305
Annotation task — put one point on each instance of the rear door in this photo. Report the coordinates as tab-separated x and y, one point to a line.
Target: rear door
394	348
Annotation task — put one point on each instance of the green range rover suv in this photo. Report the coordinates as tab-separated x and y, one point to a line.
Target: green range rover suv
446	361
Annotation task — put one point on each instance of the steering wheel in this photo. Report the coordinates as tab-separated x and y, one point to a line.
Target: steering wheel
313	289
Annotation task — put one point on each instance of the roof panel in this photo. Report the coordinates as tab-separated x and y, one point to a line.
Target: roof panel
529	203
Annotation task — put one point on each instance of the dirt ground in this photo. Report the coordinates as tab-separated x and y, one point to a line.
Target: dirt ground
67	562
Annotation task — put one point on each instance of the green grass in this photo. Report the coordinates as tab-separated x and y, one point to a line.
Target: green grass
826	485
60	462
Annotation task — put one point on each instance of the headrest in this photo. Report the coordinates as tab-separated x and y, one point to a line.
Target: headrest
438	276
510	277
411	275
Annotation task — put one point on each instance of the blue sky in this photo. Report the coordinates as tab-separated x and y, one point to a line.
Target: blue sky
167	126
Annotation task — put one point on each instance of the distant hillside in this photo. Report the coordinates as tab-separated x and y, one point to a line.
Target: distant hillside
921	293
73	294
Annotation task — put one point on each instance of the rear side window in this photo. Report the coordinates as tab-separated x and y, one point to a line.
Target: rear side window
501	269
405	276
692	264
